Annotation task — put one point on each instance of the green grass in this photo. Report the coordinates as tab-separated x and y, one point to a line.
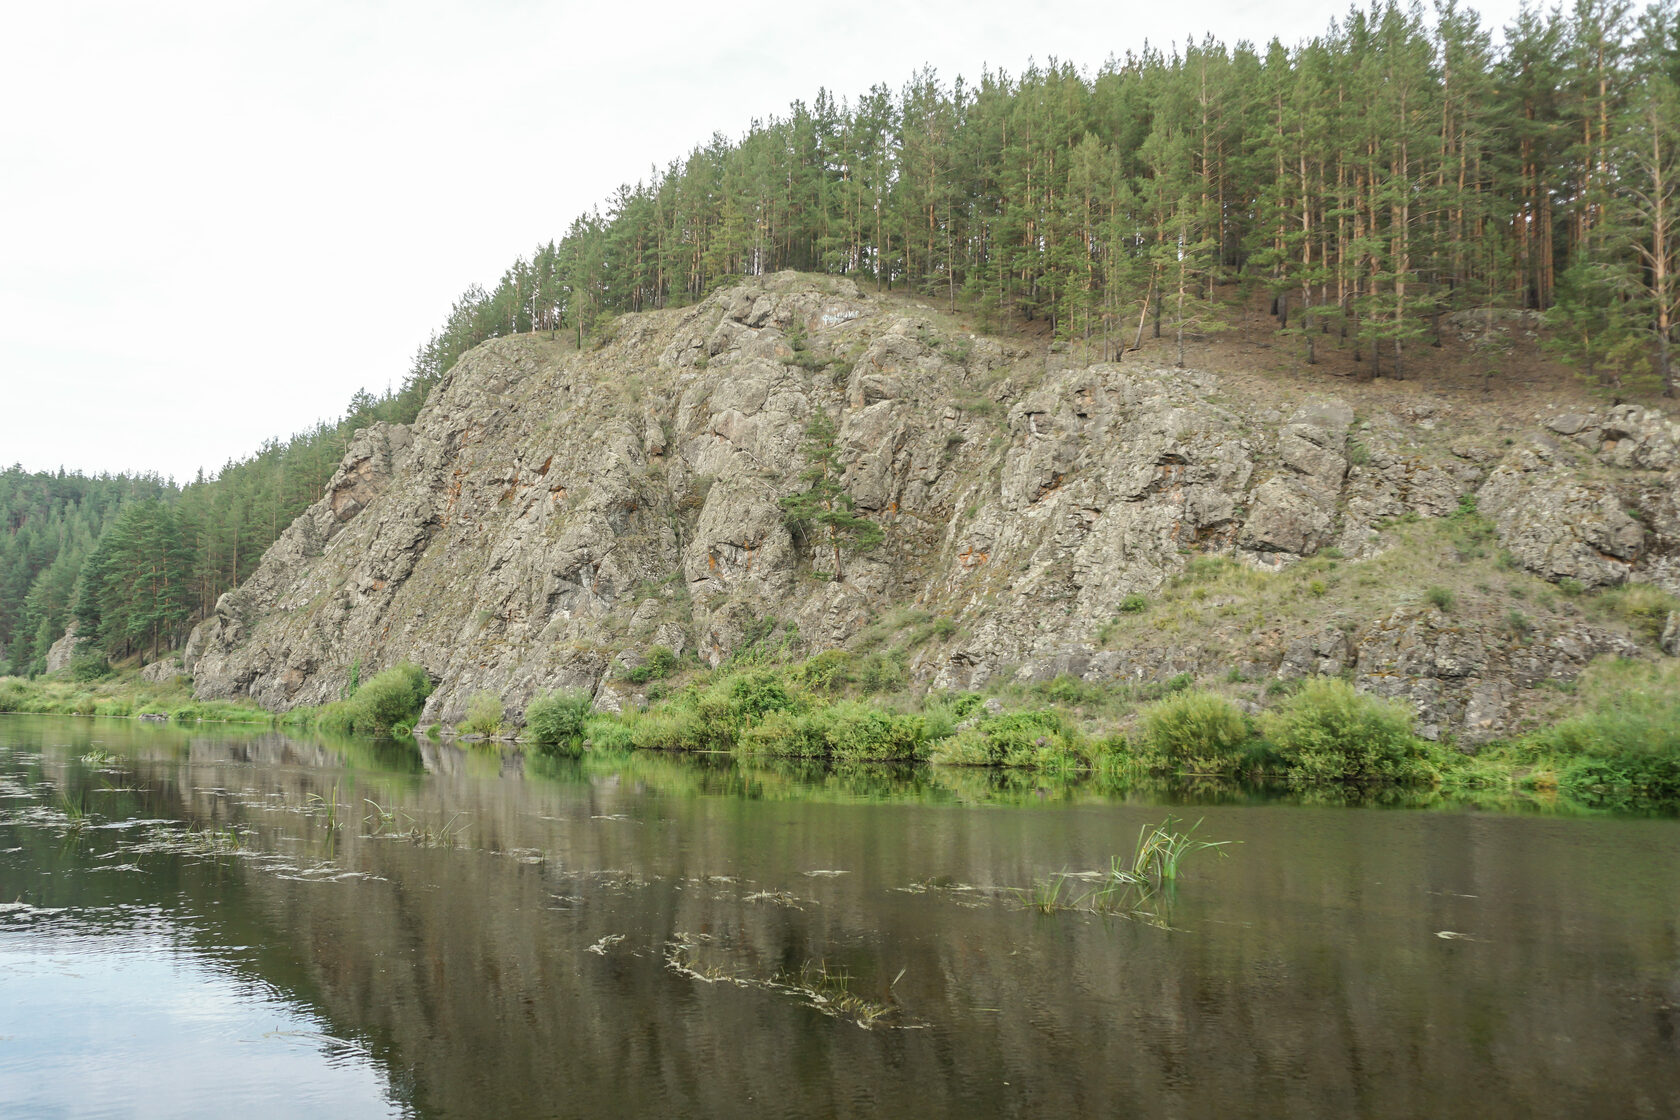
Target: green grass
120	696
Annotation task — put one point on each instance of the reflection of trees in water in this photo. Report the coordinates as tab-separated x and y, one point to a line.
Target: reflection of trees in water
1308	980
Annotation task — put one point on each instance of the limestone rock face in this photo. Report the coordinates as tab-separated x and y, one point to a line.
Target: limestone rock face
553	513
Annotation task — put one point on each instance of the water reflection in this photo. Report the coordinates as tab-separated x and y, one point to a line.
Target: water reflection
648	934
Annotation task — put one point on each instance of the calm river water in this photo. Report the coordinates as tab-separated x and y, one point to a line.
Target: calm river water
251	925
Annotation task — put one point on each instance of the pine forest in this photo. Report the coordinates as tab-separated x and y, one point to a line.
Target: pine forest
1402	166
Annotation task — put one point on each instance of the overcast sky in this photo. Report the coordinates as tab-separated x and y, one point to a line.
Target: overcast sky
220	219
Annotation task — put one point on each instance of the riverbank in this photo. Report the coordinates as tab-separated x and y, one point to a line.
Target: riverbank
1614	741
123	695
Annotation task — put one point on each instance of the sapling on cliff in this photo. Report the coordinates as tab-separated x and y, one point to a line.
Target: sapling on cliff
823	508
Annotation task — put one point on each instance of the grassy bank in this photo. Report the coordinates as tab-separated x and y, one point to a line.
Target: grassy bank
1616	745
122	695
1619	747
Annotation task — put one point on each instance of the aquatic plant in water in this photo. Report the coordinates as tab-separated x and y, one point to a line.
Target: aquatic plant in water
1149	874
818	985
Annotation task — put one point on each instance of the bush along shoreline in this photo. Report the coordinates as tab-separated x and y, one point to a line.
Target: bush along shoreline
1617	745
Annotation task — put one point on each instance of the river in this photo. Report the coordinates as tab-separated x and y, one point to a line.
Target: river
218	923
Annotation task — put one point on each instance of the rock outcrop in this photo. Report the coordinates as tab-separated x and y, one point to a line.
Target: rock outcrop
163	671
552	513
63	651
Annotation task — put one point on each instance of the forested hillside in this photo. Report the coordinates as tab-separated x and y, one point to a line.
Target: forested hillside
1396	168
133	558
49	525
1390	170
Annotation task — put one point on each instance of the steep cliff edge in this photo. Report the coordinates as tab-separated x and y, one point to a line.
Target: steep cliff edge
552	513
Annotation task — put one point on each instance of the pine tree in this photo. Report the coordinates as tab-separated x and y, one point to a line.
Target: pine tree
823	510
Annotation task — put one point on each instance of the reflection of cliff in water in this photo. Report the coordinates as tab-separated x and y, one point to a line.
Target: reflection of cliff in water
1307	976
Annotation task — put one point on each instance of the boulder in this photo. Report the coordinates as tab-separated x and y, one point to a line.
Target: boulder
63	651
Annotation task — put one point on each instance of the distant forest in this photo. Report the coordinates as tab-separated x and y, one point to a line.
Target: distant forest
136	559
1396	168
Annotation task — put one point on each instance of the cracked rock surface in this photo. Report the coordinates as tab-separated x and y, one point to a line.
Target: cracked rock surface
550	514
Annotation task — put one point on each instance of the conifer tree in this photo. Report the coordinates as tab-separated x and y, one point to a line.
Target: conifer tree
823	511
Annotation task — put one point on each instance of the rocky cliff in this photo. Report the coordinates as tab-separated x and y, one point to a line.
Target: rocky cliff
553	513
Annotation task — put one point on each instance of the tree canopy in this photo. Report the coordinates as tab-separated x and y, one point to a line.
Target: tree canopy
1370	180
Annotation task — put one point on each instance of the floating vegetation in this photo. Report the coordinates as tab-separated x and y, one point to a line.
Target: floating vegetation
19	912
1045	895
75	815
823	988
1159	850
383	824
215	840
1138	887
380	818
327	806
98	757
338	1048
600	947
778	898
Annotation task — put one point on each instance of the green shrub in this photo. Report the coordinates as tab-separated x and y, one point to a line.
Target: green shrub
89	667
659	663
557	722
828	672
729	706
1193	730
337	717
1329	732
1133	604
860	732
966	748
1626	746
784	735
1440	598
882	672
606	733
14	694
666	730
1038	738
389	698
484	713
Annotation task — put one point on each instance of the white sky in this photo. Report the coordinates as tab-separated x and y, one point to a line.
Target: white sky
219	219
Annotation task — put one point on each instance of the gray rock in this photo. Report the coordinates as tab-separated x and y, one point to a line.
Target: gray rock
162	671
1287	516
63	651
551	514
1561	526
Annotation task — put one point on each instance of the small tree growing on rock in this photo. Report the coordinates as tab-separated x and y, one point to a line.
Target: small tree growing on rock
824	509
